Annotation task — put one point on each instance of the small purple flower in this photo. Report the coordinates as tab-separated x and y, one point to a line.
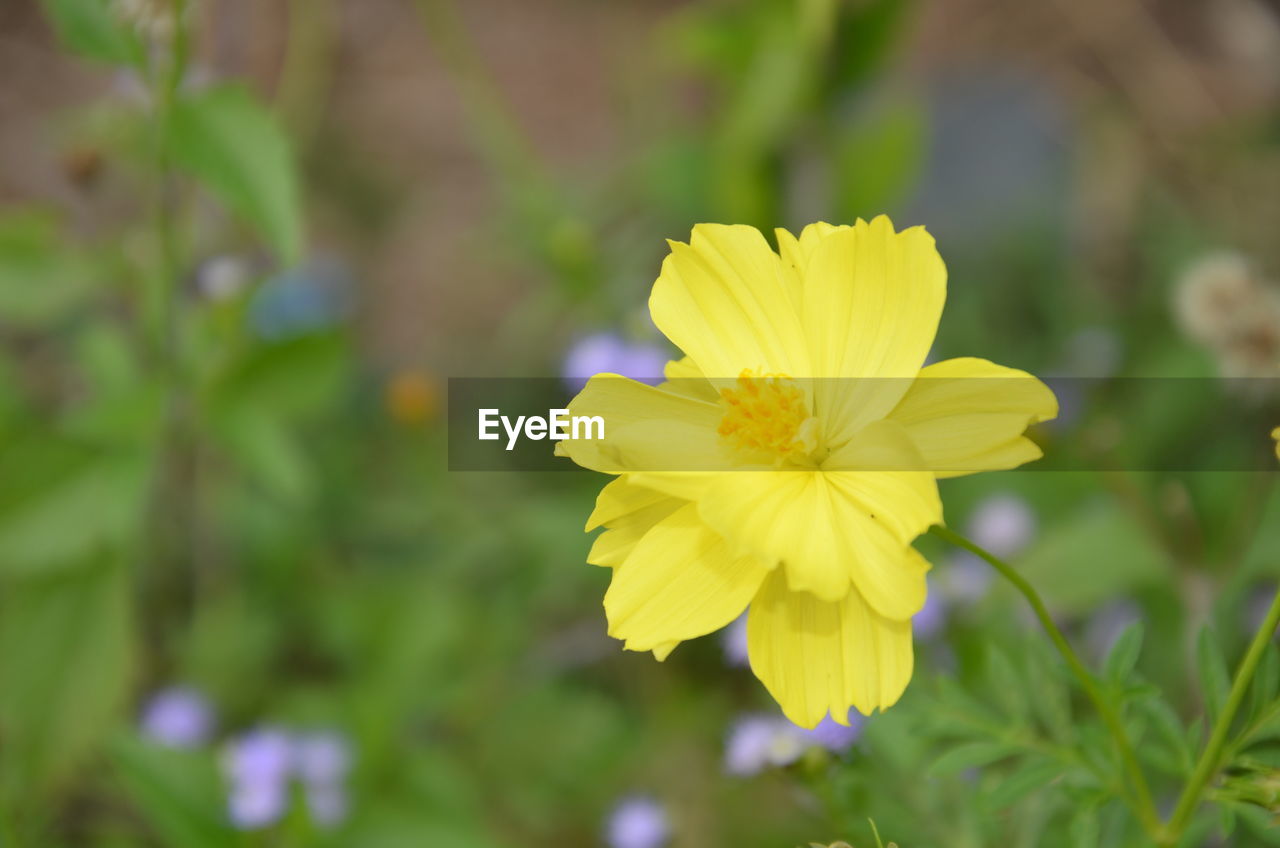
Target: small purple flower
733	640
1003	524
928	622
638	822
756	742
1105	627
966	578
833	736
322	761
179	717
323	757
261	764
253	805
264	755
602	353
327	803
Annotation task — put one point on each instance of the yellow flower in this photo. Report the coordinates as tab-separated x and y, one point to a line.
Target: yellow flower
412	398
1275	434
792	456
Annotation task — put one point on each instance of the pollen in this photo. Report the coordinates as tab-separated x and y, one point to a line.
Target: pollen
766	417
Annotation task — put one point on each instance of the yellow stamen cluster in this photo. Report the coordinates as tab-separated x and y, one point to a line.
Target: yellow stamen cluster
766	416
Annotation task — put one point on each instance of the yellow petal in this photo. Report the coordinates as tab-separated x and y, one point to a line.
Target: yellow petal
619	499
679	582
872	300
661	652
968	415
645	428
831	530
628	512
723	301
817	657
614	545
683	377
796	253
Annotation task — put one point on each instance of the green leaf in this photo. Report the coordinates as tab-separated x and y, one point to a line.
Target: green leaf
1007	685
1124	654
1094	555
879	160
1226	820
971	755
287	379
1085	828
1266	681
271	455
1166	723
1195	733
1052	702
227	139
865	35
90	29
41	279
52	485
1028	777
179	793
65	662
1260	822
1215	681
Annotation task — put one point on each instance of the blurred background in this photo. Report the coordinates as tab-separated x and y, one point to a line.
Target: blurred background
243	245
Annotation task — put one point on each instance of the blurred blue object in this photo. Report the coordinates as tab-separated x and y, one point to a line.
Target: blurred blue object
998	158
1003	523
315	296
733	640
255	805
179	717
322	760
965	578
836	737
327	803
261	764
1093	352
257	765
758	741
609	353
638	822
322	757
931	618
1107	625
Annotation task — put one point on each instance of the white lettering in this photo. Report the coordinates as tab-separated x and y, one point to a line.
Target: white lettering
587	421
485	423
513	433
557	426
559	418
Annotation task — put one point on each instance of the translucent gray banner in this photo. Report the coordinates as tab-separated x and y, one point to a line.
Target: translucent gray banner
946	425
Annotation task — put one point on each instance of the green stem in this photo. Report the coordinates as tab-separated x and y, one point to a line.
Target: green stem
1144	807
1211	758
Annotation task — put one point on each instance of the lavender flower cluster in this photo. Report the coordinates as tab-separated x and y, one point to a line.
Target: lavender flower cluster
262	766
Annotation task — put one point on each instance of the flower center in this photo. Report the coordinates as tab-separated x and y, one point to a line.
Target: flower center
766	418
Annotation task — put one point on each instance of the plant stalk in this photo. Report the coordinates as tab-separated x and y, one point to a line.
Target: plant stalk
1143	805
1210	759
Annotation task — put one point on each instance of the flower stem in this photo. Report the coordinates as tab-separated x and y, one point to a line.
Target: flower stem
1211	758
1144	807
